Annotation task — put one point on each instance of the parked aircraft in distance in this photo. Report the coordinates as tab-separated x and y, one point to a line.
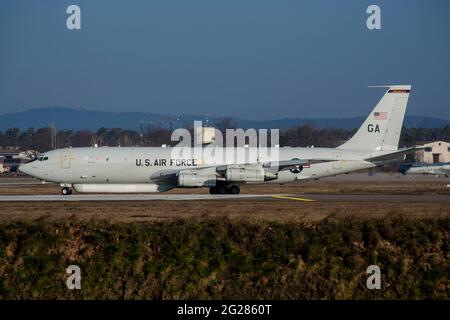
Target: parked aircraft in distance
438	169
154	169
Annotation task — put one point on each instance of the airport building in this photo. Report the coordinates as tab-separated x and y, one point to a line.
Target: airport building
434	152
10	160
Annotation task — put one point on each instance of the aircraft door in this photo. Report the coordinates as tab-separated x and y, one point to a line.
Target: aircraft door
337	163
65	159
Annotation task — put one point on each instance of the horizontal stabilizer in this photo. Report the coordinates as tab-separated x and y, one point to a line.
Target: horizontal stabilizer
394	155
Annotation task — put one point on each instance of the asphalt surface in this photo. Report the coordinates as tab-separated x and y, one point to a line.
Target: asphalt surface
188	197
128	197
435	198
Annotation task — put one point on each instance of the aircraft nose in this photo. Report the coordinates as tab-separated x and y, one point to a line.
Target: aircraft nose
25	168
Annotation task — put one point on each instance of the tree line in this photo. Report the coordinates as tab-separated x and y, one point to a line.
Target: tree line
43	139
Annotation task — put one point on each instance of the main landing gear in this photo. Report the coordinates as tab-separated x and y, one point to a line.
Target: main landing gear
233	189
66	191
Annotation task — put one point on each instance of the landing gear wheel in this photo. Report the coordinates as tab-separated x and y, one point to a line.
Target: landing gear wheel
213	190
222	190
234	189
66	191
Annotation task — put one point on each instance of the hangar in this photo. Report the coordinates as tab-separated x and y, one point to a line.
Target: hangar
434	152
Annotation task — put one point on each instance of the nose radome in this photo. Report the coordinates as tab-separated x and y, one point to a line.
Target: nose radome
25	168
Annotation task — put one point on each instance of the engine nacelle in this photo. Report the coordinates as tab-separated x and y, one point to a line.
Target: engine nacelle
245	174
196	179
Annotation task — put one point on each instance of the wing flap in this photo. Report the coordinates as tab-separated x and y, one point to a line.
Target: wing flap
290	164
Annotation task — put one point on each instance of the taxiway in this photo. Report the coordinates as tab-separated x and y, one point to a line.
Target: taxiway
432	198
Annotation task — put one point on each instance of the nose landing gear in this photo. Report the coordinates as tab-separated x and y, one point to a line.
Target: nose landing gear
66	191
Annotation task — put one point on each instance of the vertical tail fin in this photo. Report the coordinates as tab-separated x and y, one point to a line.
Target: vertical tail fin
381	130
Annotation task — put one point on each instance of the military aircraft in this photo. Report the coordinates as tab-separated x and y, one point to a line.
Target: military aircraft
158	169
438	169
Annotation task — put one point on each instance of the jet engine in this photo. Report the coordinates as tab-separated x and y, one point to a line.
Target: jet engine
248	174
196	179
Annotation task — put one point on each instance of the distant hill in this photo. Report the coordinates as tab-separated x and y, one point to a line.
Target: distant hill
76	119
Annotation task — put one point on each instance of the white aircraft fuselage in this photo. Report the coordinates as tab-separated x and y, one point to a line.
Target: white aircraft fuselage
129	165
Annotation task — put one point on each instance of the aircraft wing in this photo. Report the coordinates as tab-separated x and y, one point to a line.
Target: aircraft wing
165	177
170	176
394	155
291	164
274	166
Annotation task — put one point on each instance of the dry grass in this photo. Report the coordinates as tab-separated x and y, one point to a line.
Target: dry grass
269	210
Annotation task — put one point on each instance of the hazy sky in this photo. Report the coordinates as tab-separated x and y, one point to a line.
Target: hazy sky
251	59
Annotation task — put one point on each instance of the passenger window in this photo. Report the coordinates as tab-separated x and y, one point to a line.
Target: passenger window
45	158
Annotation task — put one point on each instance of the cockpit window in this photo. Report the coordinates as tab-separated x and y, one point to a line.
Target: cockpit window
39	158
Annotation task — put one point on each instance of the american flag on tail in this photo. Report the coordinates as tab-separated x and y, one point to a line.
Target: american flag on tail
380	115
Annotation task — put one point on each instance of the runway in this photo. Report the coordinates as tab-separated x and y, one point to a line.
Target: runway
129	197
435	198
193	197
